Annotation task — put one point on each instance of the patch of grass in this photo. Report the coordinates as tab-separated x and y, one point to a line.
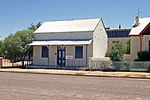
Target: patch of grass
80	73
142	76
134	69
126	76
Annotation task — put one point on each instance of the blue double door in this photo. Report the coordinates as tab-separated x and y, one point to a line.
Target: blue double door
61	56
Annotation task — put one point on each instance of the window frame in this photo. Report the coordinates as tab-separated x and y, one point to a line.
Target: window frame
76	52
44	55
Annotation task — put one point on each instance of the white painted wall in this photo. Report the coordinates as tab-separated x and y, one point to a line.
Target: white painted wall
99	41
62	35
37	59
70	50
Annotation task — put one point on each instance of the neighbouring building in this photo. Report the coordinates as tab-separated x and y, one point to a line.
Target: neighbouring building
140	36
115	35
69	43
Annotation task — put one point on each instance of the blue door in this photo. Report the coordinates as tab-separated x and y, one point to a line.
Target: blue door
61	54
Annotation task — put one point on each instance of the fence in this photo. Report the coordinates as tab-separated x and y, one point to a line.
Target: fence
6	63
120	66
96	65
69	64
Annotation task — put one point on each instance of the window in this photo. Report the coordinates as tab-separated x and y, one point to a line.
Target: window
115	42
44	52
79	52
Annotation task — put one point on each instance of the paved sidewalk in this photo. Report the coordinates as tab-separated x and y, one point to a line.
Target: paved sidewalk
84	73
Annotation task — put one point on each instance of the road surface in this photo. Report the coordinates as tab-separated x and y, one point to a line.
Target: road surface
23	86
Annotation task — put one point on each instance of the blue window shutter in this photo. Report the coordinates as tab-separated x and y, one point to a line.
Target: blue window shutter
79	52
44	52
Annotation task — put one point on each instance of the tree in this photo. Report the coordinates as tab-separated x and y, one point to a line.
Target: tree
15	46
1	48
34	27
128	47
116	52
38	25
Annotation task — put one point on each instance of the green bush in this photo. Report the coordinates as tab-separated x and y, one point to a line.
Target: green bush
143	56
116	52
128	47
148	68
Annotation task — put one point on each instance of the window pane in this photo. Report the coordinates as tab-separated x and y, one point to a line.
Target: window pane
44	52
79	52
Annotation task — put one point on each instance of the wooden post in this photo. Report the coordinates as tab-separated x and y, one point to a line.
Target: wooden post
86	55
48	55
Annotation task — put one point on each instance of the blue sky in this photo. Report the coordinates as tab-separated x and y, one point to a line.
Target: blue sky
17	15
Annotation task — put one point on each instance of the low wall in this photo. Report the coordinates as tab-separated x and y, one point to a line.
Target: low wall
127	57
91	59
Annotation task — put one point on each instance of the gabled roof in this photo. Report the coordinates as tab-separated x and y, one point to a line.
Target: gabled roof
68	26
143	22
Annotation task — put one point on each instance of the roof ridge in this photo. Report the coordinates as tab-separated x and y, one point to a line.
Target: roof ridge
144	17
73	19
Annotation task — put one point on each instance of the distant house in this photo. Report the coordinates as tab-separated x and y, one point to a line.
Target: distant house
115	35
140	36
69	43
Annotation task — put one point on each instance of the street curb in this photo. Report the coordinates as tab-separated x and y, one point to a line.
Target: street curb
76	74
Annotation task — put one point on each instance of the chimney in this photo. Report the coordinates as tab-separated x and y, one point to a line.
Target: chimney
119	26
137	21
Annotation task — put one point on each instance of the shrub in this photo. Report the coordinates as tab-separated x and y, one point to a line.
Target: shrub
143	56
148	67
128	47
116	52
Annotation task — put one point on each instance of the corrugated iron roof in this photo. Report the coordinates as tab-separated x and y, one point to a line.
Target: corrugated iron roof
143	22
68	26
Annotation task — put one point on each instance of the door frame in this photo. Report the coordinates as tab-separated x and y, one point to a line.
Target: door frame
61	56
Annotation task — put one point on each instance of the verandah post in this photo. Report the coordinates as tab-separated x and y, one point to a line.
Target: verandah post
48	55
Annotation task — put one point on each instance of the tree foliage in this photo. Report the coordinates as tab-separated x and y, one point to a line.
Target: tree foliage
1	48
34	27
15	46
128	47
116	52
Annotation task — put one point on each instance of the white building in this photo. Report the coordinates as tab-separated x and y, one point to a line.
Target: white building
69	43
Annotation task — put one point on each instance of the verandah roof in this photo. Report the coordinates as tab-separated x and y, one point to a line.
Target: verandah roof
79	42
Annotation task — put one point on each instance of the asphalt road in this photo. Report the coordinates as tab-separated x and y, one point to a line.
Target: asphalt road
22	86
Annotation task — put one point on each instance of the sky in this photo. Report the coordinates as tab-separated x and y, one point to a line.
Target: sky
16	15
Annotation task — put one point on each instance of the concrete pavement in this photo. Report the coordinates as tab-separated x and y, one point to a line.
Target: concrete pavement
83	73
